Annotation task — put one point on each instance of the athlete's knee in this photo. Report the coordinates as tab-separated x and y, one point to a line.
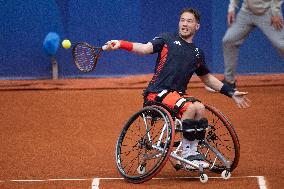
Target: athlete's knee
196	108
191	108
199	107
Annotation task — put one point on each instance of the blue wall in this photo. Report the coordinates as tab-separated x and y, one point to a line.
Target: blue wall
24	24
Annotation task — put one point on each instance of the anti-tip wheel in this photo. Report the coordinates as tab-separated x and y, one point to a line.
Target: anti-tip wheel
141	169
203	178
226	174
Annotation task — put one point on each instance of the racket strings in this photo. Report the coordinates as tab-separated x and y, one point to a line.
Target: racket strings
85	58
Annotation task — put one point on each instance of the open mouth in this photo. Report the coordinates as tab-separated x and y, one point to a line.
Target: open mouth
184	29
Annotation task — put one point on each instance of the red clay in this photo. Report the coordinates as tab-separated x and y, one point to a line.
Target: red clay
55	133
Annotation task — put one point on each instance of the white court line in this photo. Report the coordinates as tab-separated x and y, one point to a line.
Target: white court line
27	180
96	181
46	180
260	179
261	182
70	179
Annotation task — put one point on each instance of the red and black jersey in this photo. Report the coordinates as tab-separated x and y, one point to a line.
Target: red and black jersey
177	61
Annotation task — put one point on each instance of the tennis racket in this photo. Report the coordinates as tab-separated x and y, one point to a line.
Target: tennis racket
86	56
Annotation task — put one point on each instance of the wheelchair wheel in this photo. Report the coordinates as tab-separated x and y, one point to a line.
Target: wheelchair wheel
222	136
145	144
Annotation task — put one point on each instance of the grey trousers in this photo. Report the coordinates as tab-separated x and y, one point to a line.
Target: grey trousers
236	34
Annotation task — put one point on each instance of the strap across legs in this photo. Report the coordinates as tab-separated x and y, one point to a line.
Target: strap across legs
194	129
180	103
160	97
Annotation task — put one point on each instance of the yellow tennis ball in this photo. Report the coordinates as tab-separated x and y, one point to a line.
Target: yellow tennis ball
66	44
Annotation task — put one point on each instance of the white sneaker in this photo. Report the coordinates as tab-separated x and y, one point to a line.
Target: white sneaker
188	147
189	152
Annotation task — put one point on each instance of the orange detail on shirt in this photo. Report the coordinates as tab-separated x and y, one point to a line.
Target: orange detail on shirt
161	63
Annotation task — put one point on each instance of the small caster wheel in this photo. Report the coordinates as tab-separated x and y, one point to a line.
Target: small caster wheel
226	174
203	178
141	169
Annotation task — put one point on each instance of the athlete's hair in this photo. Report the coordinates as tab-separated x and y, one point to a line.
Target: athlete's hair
192	11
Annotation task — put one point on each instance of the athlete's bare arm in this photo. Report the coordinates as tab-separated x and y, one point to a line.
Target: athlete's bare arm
211	81
138	48
239	97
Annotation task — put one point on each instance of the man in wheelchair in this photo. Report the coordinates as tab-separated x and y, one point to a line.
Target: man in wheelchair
178	59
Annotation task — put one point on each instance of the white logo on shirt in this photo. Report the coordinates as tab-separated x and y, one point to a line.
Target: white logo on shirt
177	43
197	52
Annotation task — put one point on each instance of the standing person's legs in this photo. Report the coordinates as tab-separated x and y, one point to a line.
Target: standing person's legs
276	37
232	40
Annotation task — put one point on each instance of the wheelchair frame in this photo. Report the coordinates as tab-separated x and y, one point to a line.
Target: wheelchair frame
150	151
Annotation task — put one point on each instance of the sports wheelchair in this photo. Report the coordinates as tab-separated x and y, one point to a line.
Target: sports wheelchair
149	139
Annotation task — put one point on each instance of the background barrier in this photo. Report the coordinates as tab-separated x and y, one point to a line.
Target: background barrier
24	25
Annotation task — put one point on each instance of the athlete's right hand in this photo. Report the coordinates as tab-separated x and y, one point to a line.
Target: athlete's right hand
230	18
111	45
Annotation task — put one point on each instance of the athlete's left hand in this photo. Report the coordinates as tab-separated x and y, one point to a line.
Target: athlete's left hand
241	100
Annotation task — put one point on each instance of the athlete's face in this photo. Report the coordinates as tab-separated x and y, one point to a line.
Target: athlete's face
188	25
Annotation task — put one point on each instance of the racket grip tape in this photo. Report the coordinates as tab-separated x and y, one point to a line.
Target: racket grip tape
126	45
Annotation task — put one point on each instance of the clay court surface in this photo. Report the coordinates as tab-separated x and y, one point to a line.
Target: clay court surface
62	134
